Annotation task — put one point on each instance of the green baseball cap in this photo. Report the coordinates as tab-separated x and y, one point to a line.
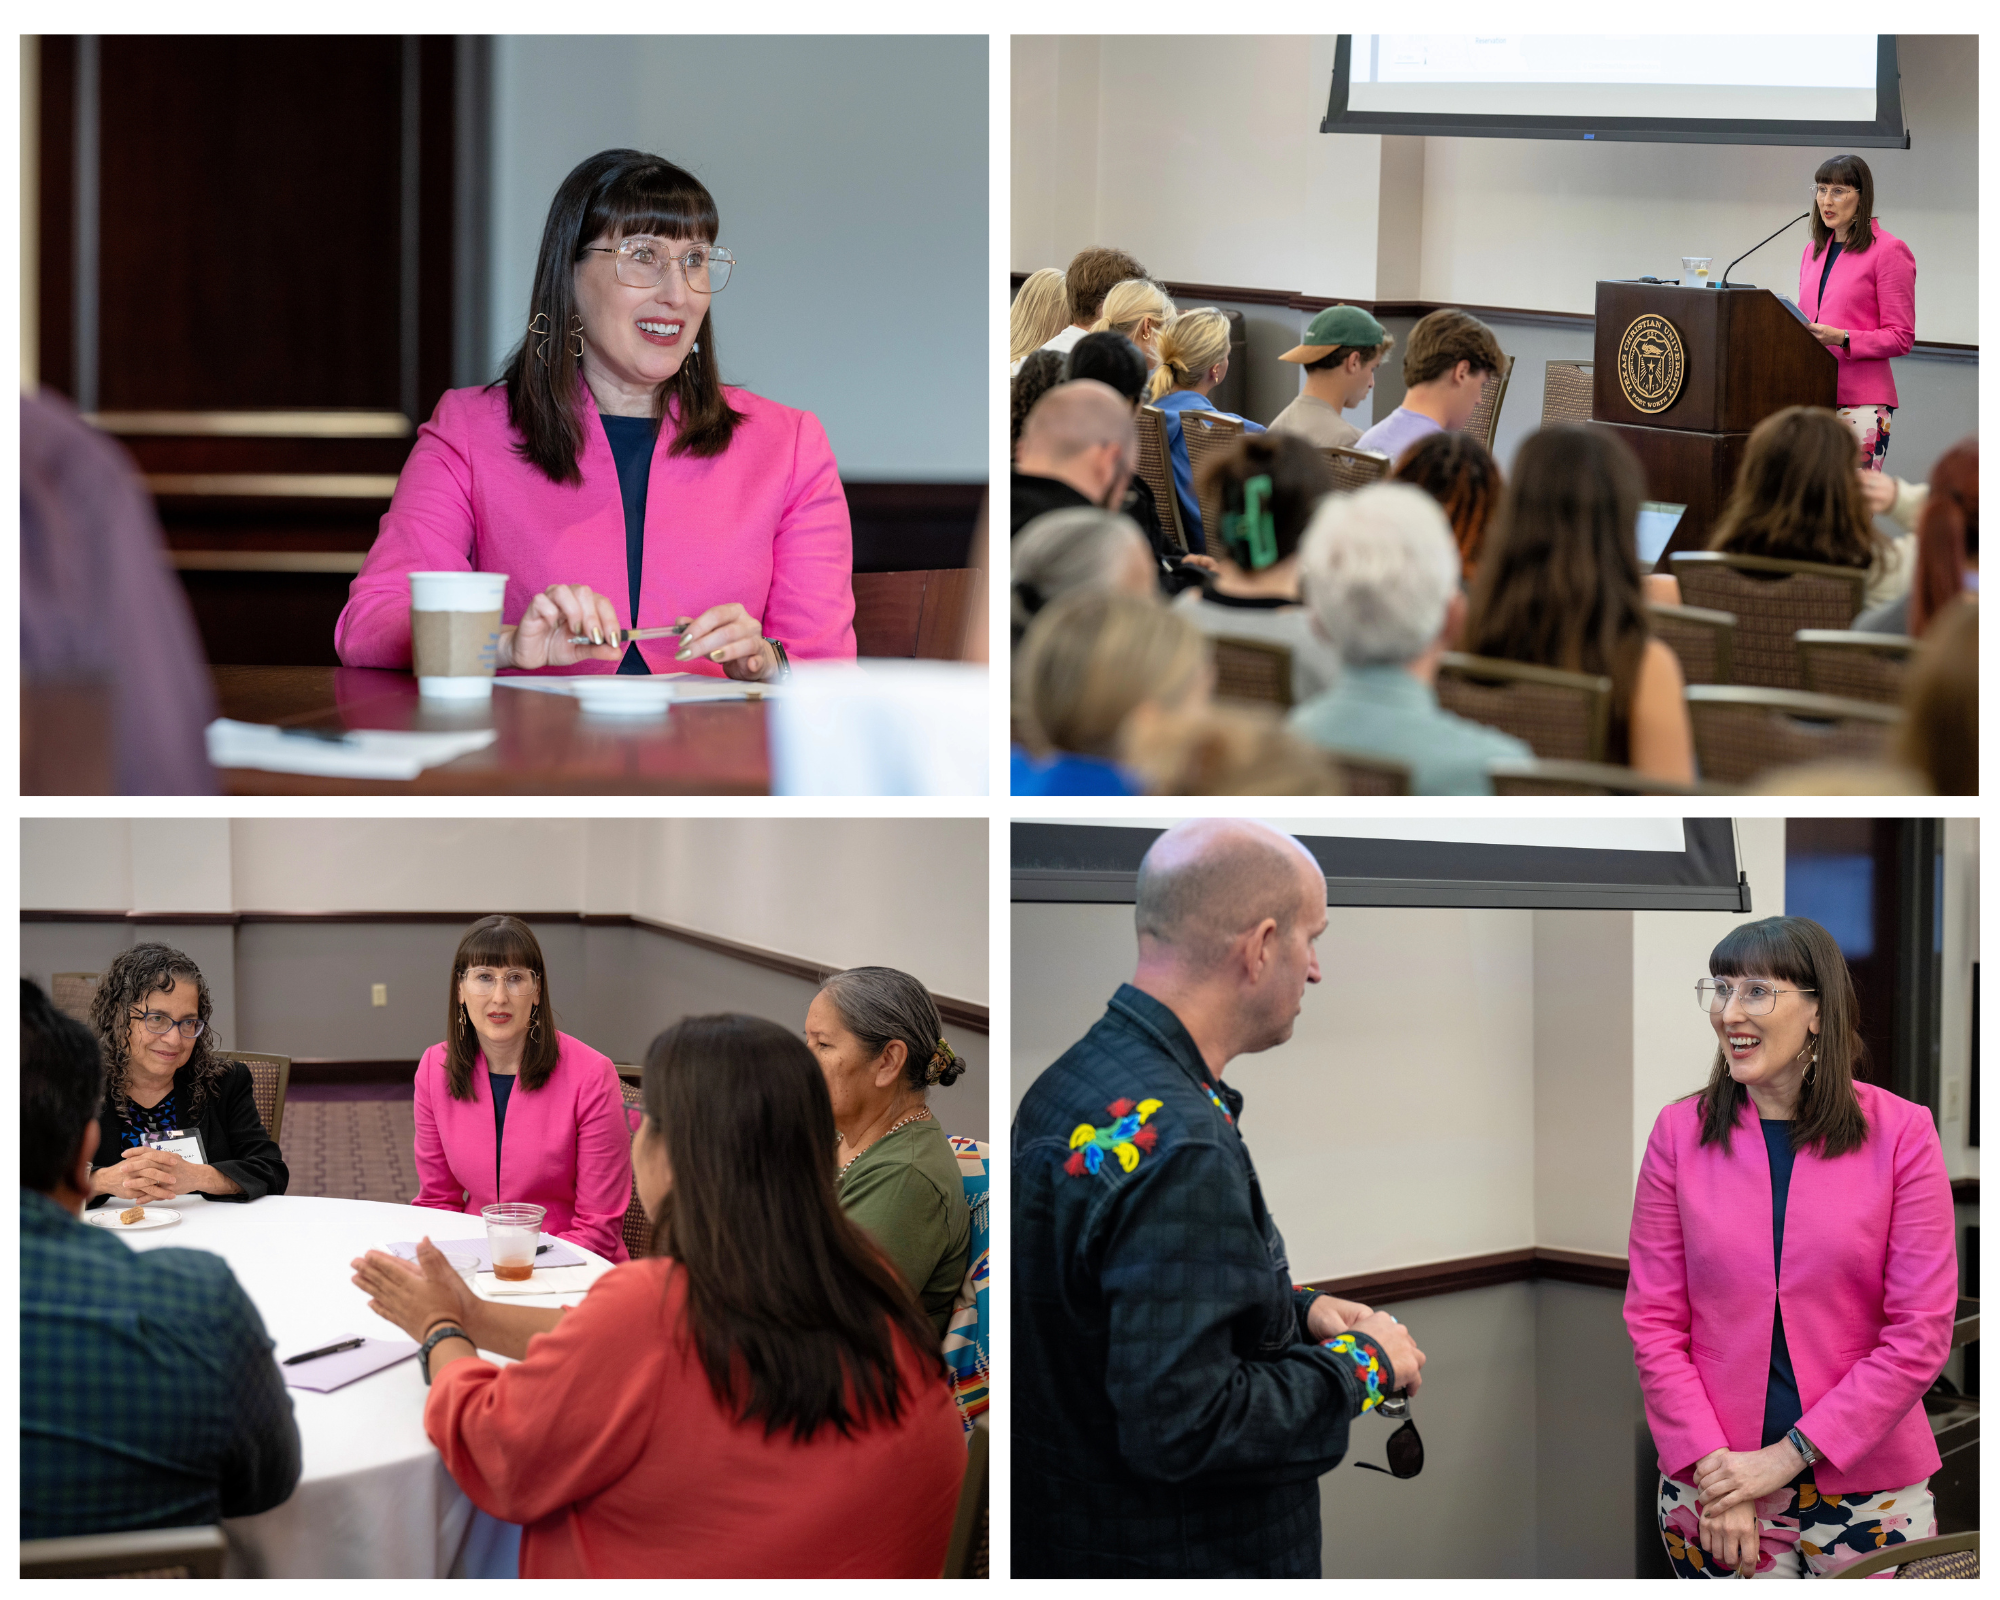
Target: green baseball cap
1334	327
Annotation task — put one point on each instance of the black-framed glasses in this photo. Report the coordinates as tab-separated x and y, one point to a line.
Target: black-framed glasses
1405	1448
1757	998
641	263
159	1024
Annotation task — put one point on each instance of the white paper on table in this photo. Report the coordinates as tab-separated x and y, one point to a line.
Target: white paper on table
688	687
363	753
546	1280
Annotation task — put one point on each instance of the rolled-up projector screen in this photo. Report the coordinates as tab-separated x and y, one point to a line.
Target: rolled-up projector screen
1835	89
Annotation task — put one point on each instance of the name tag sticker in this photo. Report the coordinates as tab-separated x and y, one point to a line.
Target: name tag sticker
181	1143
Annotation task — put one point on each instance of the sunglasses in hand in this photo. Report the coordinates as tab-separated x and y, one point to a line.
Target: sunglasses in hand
1406	1446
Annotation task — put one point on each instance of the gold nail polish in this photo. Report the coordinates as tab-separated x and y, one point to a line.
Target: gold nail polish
684	655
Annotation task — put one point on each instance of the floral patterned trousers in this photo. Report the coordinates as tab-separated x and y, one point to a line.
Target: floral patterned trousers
1870	426
1802	1533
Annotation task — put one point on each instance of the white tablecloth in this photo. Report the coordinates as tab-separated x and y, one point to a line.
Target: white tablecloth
373	1500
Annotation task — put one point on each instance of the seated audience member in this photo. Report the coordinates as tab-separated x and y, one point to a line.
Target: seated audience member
877	1037
1233	750
1083	548
148	1395
760	1397
104	623
1940	733
1343	346
1381	576
1040	312
1460	474
1077	448
1451	355
1797	499
1139	309
510	1108
1094	673
1560	588
1270	485
1035	377
151	1013
1194	358
1114	360
1092	272
1945	515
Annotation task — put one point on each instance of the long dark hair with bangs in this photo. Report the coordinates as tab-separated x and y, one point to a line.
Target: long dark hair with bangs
121	992
791	1307
499	941
616	193
1797	951
1852	171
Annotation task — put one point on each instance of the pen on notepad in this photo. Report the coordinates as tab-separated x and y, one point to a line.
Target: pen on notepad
324	1350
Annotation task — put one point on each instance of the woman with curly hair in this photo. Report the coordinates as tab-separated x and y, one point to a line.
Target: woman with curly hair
176	1120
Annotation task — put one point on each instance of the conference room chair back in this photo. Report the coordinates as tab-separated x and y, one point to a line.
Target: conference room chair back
1563	716
1741	733
72	992
1582	777
1950	1555
1154	467
1208	435
1253	669
1704	640
1485	419
270	1076
922	614
637	1230
1355	469
146	1553
1566	391
967	1554
1362	773
1861	666
1771	601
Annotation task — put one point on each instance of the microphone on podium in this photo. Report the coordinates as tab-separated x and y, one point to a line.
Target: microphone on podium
1747	254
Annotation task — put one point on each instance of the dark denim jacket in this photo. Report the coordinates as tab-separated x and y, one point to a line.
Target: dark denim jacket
1171	1417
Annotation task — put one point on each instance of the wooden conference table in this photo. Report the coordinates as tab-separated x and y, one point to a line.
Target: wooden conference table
546	744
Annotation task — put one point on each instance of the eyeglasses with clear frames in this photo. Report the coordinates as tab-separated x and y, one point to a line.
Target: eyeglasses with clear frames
159	1024
1833	191
641	263
483	981
1757	998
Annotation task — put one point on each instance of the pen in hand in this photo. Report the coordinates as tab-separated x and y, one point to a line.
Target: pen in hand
324	1350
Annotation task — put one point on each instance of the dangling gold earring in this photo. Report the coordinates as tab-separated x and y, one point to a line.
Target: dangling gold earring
539	328
535	1023
1812	1044
576	333
465	1012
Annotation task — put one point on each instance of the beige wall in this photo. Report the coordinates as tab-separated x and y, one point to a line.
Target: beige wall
1203	156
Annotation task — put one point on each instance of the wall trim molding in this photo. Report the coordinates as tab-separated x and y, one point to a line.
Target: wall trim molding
1396	1284
955	1012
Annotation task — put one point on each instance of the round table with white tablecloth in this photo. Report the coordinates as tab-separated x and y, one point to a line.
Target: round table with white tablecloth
373	1500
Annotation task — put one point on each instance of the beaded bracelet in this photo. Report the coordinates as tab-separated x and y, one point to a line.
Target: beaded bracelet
1370	1365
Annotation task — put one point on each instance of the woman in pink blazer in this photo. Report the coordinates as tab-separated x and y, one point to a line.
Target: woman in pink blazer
1784	1367
507	1108
612	476
1858	283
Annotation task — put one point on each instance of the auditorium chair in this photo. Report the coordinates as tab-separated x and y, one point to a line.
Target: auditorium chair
1156	467
638	1232
1771	601
1582	777
1704	640
1563	716
1743	733
270	1076
72	992
1486	415
1566	389
1208	436
926	614
1355	469
1372	775
1861	666
146	1553
966	1555
1951	1555
1253	669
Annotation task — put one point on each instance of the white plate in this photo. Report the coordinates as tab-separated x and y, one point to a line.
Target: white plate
106	1216
623	697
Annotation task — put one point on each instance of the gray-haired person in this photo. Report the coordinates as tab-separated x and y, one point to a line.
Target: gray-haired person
1381	576
1082	548
877	1036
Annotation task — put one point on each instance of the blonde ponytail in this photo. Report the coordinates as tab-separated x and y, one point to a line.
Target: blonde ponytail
1189	345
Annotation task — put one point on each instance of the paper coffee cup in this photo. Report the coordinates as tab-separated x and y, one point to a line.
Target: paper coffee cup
455	632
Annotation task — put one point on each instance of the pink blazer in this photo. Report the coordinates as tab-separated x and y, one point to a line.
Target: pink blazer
566	1146
1869	1290
1873	296
764	524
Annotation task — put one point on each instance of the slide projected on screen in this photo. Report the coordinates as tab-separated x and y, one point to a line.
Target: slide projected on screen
1747	88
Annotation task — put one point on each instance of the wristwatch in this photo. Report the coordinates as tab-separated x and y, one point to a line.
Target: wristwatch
448	1330
1803	1445
1847	342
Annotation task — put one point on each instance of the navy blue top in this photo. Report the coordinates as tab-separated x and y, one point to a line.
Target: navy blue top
1781	1394
503	1085
632	448
1833	249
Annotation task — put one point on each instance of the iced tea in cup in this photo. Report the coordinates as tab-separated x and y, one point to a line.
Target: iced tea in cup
513	1231
455	632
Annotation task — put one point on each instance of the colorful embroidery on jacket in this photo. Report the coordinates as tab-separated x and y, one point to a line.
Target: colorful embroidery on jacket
1126	1138
1367	1365
1219	1106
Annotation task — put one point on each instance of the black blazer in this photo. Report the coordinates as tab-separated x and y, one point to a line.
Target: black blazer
232	1137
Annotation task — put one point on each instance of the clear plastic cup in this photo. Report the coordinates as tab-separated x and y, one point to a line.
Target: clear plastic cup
513	1231
1694	271
463	1262
455	632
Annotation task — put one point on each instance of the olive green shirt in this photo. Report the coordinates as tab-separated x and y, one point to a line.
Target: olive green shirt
906	1191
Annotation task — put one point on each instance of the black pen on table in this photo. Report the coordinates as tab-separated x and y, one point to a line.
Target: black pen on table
325	1350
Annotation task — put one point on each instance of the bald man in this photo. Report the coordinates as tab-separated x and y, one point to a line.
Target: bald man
1176	1398
1077	448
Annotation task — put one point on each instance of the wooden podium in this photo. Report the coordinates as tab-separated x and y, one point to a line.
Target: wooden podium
1741	356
